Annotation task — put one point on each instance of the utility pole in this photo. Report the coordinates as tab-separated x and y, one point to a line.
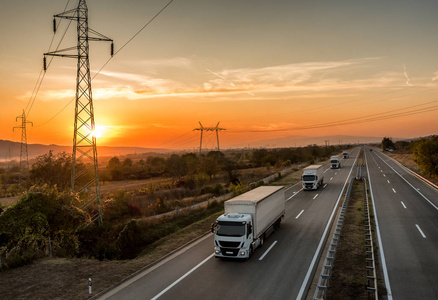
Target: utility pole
84	174
24	156
202	129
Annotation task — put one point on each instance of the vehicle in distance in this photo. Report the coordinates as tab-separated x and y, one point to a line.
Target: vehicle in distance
313	177
345	154
248	220
335	162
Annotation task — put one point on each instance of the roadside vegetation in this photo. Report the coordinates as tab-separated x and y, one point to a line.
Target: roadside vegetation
46	220
420	155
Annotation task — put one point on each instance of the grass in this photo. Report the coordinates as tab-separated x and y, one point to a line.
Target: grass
348	280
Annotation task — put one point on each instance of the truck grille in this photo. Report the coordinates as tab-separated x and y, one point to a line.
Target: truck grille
229	252
229	244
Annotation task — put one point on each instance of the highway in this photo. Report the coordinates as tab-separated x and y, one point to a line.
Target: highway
407	215
281	269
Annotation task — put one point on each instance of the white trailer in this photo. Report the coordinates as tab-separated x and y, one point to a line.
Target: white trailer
313	177
345	154
248	220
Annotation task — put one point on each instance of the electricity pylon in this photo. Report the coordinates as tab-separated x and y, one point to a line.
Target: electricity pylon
84	174
202	129
24	156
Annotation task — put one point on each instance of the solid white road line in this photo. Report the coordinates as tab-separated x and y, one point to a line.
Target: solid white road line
267	251
315	196
421	231
321	241
430	202
182	277
403	204
299	214
379	239
394	191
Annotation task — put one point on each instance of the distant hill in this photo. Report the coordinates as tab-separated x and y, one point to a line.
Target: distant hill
11	150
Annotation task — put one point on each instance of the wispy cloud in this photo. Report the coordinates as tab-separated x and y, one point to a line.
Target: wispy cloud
309	79
406	76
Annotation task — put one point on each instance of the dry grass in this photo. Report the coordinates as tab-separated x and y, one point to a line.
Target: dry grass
58	278
348	280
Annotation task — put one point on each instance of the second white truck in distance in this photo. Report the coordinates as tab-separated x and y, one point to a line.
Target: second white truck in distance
335	162
313	177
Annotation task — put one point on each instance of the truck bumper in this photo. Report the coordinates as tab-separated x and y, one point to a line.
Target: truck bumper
221	252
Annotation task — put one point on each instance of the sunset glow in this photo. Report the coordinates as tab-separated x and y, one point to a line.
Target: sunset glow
267	72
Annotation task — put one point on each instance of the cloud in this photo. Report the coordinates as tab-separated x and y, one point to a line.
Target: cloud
308	79
406	76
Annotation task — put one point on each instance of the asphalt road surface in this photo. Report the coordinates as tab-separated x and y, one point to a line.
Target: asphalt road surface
407	215
281	269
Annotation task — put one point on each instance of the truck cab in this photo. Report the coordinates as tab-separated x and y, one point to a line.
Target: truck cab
233	236
335	162
345	154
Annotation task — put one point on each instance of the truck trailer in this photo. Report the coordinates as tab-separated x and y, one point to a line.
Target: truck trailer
313	177
248	220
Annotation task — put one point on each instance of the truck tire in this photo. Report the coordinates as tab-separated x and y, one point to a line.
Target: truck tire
262	241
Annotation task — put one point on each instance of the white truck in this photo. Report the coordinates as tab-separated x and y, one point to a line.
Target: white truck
313	177
248	220
335	162
345	154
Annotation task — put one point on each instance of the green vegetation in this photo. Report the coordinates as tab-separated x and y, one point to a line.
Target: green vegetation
425	153
46	219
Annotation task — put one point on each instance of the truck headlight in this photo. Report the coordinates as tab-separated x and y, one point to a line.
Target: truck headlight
242	253
217	251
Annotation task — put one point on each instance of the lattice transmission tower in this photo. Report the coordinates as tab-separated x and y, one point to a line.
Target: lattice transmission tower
24	155
209	129
85	174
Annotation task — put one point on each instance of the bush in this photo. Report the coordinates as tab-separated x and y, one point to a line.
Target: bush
41	213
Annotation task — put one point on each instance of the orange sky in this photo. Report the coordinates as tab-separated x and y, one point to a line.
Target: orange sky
264	72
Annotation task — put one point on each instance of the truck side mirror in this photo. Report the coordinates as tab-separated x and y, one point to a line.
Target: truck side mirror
249	229
212	227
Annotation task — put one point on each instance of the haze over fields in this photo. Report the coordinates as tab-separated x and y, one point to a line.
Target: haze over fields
265	70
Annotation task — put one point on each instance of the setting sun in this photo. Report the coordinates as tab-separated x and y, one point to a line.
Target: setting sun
98	132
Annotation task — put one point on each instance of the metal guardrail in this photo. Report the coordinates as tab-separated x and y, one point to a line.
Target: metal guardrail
323	282
371	263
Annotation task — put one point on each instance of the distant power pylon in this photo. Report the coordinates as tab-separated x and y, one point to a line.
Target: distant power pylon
85	174
24	156
202	129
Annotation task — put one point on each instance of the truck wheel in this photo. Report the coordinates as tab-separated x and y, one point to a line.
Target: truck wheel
250	252
262	240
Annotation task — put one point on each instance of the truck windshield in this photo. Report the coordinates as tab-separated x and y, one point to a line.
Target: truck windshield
230	228
334	161
308	177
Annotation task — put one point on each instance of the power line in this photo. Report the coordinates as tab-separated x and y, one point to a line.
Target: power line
104	65
363	119
42	73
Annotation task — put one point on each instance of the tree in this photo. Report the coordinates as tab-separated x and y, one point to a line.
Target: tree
210	166
387	143
426	156
52	170
176	166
